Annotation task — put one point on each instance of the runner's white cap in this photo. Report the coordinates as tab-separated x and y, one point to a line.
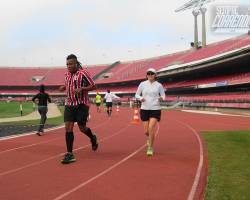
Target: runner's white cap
151	70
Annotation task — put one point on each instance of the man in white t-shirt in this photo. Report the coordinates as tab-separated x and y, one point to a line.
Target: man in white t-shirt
109	101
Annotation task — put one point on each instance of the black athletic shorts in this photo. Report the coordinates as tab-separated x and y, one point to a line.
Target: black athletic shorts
109	104
78	113
97	104
146	114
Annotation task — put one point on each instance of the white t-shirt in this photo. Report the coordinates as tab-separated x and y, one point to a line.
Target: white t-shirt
110	96
151	93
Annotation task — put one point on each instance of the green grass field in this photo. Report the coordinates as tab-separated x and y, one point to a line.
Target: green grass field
12	109
51	121
229	165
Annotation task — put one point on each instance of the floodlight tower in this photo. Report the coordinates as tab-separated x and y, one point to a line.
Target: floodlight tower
197	6
195	14
204	35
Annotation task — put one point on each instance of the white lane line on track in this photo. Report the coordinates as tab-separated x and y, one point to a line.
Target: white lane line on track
30	145
61	154
44	142
103	172
215	113
200	165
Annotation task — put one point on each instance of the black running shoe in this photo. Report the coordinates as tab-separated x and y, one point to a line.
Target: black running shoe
68	158
39	133
94	143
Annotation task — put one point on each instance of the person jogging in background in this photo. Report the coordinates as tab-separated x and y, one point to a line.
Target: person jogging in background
77	85
98	101
109	101
43	99
150	93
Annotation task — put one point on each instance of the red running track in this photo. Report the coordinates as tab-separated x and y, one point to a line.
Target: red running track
30	167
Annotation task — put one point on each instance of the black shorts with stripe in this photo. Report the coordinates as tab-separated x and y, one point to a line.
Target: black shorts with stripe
147	114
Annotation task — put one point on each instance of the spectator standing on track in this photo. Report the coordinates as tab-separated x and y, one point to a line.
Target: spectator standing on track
98	101
109	101
43	99
77	84
150	93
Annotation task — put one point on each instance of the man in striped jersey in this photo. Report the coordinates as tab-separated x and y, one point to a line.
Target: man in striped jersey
77	84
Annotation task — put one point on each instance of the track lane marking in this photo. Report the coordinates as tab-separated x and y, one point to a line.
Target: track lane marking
200	165
44	142
105	171
61	154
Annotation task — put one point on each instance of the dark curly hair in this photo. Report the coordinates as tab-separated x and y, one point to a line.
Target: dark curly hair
72	56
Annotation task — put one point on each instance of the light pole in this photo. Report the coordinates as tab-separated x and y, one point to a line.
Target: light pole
204	37
195	14
197	6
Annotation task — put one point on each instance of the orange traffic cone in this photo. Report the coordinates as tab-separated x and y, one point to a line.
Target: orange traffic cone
117	108
136	117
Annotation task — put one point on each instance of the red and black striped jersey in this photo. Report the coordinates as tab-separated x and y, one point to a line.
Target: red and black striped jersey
74	81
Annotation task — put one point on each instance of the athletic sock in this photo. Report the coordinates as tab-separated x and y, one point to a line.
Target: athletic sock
69	141
88	132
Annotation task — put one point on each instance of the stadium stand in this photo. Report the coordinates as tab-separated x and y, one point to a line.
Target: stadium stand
135	70
243	97
220	79
230	79
215	49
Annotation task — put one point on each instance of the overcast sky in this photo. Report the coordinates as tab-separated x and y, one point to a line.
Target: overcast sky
44	32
